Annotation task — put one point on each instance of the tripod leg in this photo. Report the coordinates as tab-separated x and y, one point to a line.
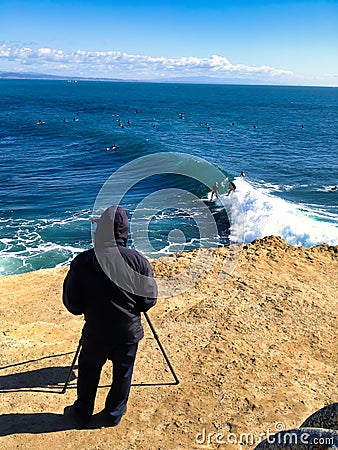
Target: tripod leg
162	349
71	368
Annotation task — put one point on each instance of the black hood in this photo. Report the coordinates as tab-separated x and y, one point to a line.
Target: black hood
112	227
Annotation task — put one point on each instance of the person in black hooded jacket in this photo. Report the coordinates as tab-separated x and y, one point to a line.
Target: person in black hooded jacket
111	285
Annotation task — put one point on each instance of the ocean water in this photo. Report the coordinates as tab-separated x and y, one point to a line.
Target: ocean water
173	141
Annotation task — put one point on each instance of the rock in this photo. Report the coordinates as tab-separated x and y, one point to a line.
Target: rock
326	417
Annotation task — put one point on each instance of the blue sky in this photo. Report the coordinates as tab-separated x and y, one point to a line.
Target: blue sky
284	42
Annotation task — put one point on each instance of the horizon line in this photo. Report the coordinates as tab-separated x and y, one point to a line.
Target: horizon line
179	80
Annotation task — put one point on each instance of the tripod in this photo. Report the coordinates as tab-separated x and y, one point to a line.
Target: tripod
157	340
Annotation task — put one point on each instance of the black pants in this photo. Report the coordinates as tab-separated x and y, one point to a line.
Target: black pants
91	360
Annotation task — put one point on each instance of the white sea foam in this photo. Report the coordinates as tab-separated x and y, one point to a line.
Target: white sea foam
30	245
44	255
265	214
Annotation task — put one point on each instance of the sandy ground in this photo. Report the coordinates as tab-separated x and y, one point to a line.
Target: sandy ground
255	354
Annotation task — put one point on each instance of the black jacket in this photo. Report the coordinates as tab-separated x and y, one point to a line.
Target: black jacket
110	284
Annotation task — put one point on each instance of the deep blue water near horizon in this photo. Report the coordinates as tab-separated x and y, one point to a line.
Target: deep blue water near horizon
284	138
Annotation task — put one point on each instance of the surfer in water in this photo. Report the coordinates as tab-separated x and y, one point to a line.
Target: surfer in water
214	191
113	147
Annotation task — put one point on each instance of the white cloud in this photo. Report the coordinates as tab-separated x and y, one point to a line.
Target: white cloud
115	64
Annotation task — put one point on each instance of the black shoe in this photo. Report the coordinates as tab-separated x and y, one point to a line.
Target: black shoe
75	419
103	419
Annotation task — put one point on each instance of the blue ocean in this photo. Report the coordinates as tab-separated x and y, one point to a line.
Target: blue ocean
68	149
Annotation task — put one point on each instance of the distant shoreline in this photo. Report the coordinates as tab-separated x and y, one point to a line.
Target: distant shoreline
179	80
